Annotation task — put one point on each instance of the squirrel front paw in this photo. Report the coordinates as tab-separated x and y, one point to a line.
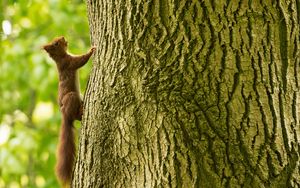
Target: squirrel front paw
93	49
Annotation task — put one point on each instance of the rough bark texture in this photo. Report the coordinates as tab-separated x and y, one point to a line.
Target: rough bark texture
199	93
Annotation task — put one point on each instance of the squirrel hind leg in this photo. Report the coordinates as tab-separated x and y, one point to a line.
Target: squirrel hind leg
80	111
72	106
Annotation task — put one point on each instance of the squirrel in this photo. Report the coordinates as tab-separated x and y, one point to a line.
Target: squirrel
70	102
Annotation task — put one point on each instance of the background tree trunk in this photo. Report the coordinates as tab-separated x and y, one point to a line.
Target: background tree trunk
192	94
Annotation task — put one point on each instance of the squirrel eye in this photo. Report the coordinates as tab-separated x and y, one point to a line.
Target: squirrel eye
56	44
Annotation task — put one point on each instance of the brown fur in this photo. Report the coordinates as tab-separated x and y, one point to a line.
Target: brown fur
69	101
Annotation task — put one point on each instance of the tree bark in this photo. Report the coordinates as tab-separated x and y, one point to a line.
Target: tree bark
192	93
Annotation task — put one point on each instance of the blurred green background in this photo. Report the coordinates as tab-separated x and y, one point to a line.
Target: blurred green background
29	114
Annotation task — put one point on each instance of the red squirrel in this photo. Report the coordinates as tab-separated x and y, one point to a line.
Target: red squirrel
71	105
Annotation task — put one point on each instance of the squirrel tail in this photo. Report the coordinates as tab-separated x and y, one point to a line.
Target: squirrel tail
66	151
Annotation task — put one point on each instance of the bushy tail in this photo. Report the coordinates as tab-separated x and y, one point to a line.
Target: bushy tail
65	152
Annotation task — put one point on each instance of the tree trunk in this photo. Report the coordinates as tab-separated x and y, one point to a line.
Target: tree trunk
192	94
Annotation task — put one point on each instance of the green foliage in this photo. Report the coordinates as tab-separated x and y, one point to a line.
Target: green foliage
29	114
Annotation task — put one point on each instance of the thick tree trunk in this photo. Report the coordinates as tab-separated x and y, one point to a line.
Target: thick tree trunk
192	94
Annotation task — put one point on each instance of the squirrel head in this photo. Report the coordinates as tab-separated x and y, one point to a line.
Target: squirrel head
57	47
